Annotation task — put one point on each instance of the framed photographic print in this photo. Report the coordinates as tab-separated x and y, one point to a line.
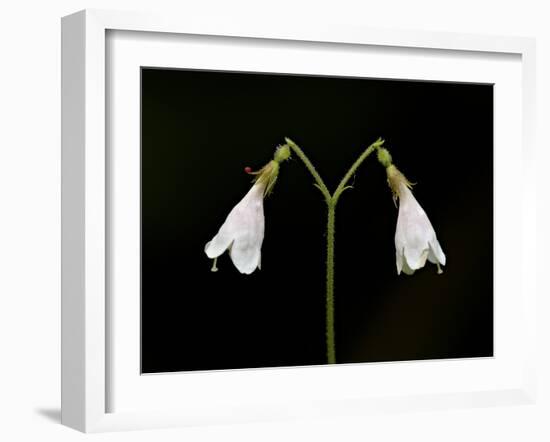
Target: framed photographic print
264	222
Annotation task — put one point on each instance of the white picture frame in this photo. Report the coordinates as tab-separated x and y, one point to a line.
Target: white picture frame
86	317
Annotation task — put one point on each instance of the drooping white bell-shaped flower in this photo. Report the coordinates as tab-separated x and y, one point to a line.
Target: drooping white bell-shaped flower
242	232
415	238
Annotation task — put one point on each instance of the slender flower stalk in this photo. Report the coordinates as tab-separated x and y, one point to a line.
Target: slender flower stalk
331	201
331	344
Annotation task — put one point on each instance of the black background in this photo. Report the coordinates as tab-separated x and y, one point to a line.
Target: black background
200	129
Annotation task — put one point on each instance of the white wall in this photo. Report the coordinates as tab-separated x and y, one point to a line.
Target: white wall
30	220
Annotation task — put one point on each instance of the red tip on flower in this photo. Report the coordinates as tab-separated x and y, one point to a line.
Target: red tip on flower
248	169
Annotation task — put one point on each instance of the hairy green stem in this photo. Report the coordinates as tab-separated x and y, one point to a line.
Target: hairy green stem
320	184
331	346
342	186
331	200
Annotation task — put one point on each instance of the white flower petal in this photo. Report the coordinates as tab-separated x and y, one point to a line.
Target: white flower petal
219	244
399	260
436	254
406	269
242	232
245	255
415	237
414	260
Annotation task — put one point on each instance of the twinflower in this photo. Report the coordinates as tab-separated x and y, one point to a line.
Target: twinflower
415	238
242	233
